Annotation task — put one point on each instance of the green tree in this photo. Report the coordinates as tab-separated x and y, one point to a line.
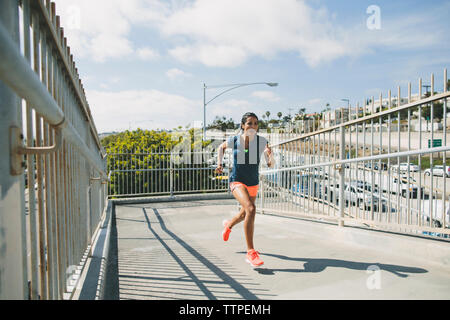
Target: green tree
139	161
279	114
438	110
222	124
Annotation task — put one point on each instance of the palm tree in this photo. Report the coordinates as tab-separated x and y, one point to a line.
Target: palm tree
279	114
327	108
267	114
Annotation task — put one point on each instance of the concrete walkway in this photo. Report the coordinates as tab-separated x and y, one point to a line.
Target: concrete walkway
174	250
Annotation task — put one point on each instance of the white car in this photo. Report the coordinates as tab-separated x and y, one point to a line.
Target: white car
404	167
403	185
438	171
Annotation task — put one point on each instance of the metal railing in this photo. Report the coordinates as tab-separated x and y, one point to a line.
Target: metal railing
53	178
163	171
370	168
170	170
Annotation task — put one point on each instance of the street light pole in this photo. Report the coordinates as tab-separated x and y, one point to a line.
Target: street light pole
204	112
348	108
233	86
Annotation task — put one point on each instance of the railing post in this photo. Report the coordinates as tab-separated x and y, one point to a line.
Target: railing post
13	267
171	177
341	175
261	197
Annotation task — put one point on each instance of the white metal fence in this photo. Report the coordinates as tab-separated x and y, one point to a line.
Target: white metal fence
161	171
52	167
351	173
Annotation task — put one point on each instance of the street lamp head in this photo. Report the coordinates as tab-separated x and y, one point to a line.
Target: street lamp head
272	84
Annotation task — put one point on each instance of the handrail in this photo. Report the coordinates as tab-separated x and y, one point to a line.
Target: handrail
16	72
57	40
53	166
377	115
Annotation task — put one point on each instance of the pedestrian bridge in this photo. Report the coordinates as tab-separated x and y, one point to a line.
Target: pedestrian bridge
345	213
173	249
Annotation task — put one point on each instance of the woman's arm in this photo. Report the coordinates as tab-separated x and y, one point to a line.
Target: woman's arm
220	153
269	156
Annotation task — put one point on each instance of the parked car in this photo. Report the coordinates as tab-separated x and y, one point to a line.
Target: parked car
438	171
368	204
307	185
354	193
435	208
376	165
405	187
404	167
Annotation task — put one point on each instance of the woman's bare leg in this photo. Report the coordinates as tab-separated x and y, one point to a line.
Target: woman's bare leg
242	196
240	216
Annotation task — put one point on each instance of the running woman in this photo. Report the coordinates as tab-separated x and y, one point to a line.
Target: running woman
247	147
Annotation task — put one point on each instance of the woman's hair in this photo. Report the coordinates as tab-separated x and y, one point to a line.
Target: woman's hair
248	115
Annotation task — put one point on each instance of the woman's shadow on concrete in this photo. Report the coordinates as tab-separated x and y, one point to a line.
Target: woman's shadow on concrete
319	265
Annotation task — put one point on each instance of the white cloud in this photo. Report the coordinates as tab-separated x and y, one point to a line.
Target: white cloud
220	33
100	29
147	54
145	108
314	101
96	29
175	73
210	55
266	95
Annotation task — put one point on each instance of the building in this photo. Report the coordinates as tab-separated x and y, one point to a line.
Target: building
335	117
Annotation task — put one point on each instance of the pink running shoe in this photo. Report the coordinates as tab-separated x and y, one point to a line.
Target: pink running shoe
252	257
226	231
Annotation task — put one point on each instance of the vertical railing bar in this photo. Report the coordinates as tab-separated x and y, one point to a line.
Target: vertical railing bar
48	171
39	165
67	220
141	176
444	195
330	201
157	172
41	215
122	174
335	191
389	180
152	172
408	194
363	154
61	223
64	212
342	199
32	210
54	219
431	154
419	217
372	174
322	175
380	151
125	164
357	172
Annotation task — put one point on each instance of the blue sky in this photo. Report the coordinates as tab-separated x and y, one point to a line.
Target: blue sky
143	62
